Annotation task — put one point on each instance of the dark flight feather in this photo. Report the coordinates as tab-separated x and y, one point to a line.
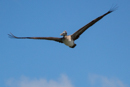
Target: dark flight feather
81	30
45	38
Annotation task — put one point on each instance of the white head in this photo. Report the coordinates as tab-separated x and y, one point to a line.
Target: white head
64	33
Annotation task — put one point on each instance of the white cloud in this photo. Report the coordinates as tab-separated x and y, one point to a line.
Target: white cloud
102	81
63	81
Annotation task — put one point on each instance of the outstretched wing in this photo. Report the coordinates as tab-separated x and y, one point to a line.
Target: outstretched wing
41	38
81	30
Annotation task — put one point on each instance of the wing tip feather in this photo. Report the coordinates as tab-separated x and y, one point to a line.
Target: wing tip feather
11	35
113	8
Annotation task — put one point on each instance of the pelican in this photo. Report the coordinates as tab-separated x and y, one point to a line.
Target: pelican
68	39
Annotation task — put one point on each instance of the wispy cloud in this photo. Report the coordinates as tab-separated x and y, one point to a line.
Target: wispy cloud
102	81
63	81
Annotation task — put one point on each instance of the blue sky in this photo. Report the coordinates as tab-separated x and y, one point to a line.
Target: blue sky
100	59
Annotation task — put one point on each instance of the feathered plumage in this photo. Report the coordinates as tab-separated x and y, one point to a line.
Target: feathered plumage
68	39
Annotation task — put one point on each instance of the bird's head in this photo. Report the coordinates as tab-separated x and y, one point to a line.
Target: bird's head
64	33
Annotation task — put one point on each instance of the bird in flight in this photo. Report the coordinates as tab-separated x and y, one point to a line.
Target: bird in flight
67	39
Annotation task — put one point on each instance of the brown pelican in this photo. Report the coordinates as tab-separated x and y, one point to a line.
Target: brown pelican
68	39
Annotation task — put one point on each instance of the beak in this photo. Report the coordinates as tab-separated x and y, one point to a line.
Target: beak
61	34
